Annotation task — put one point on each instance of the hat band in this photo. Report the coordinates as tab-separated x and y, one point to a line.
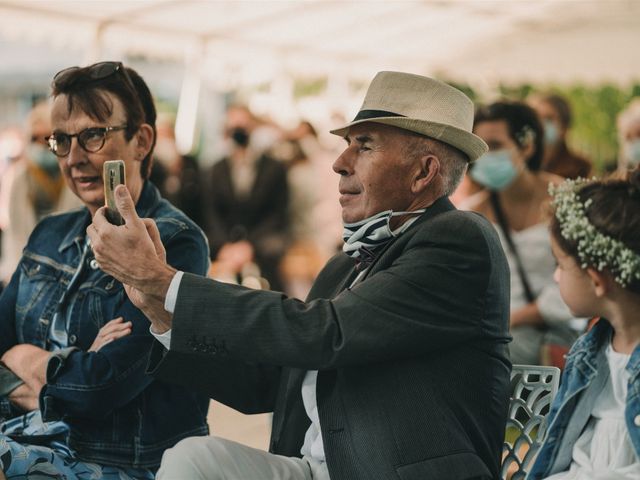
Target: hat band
366	114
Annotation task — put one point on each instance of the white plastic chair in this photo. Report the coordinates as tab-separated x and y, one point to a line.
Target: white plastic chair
533	388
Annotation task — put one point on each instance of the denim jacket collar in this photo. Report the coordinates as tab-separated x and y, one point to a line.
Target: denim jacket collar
77	231
149	199
584	355
633	367
596	341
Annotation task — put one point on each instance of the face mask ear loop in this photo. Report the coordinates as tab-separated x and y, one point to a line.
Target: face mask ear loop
372	232
409	222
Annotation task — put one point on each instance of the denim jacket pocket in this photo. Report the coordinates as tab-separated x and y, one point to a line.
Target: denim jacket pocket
106	296
42	285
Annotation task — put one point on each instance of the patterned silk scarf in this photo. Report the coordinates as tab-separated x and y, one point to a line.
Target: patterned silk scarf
363	238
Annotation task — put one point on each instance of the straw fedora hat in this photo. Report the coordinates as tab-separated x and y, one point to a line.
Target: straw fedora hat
421	105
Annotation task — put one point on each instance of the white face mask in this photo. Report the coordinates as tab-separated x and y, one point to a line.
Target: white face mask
373	232
632	152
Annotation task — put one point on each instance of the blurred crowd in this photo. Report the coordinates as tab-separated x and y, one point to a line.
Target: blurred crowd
268	205
270	211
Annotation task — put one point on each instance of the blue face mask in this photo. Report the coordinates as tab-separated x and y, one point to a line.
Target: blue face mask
494	170
632	152
43	157
551	133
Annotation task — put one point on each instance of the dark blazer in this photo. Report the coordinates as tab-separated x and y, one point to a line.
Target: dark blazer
260	218
413	378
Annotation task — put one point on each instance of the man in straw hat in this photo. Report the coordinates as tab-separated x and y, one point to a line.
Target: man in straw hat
396	365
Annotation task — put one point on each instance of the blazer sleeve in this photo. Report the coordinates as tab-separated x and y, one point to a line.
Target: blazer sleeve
429	299
247	388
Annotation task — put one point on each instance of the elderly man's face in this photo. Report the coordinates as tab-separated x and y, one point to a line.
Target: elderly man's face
375	175
83	170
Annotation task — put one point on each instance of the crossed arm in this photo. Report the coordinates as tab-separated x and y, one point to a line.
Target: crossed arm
29	363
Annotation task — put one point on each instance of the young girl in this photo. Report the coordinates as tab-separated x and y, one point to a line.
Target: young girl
594	423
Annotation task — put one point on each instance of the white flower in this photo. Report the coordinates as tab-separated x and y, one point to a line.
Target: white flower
595	249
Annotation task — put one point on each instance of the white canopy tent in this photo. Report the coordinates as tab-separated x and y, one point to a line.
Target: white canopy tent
231	44
255	41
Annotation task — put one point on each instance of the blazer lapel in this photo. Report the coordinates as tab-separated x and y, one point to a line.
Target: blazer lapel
441	205
337	276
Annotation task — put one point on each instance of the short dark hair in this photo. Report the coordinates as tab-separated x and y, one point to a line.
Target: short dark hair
560	105
613	210
523	124
87	94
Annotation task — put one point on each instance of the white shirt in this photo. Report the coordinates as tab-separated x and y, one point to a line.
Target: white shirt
313	446
604	450
169	306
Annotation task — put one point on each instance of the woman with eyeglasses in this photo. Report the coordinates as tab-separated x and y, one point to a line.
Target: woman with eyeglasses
75	399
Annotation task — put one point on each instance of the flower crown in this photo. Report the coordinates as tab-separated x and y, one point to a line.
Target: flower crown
595	249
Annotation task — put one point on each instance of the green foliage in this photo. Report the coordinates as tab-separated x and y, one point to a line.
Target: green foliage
594	129
466	89
594	110
519	92
309	87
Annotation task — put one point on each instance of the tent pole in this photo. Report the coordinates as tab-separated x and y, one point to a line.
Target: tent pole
187	115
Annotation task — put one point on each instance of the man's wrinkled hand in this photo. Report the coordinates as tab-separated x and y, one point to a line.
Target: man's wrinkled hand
152	307
132	253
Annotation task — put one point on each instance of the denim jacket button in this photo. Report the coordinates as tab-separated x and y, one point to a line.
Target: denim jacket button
72	339
94	264
636	421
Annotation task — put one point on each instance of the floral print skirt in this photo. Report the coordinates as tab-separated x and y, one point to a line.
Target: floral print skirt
33	449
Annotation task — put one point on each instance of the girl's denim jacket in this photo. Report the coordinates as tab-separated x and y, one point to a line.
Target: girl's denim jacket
585	375
117	414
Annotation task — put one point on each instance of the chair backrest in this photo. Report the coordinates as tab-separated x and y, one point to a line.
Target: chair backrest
533	388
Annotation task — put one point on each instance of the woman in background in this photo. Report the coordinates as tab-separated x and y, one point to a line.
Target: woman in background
514	198
556	118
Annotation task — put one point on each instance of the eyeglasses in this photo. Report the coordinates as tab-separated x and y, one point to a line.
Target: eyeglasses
92	73
90	139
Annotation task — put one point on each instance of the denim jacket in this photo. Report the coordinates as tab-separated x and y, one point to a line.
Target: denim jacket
585	375
117	414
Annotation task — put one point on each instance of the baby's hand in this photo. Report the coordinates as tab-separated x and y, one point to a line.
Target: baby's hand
110	331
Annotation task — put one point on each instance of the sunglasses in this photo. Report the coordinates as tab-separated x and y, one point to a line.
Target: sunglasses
92	73
90	139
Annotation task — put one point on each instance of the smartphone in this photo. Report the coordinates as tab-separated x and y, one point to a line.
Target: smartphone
113	175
